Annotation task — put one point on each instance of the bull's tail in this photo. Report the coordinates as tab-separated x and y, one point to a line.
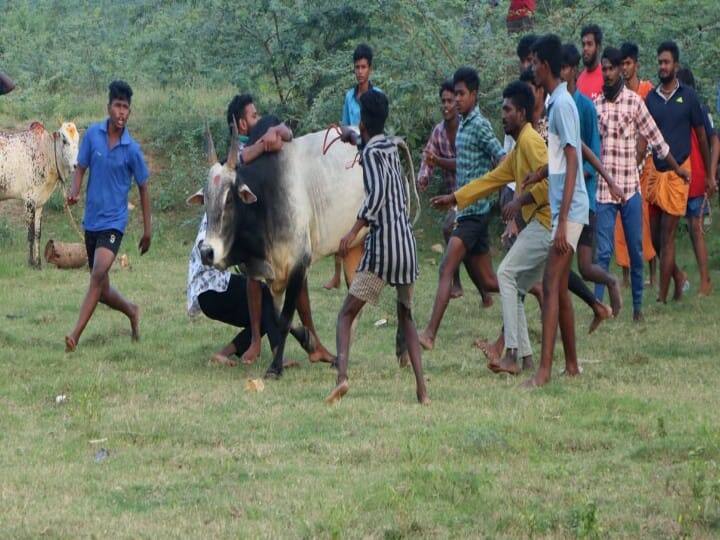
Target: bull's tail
411	185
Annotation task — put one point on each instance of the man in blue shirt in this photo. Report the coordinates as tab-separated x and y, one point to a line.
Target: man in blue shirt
114	159
568	204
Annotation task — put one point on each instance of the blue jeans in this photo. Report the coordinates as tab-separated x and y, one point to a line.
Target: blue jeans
632	221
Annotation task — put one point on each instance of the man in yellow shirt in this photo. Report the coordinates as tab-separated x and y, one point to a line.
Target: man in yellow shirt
524	264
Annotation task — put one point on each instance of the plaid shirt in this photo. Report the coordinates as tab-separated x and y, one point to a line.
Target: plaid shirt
440	145
621	123
477	148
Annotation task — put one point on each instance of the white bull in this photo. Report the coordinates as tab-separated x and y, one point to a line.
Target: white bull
31	163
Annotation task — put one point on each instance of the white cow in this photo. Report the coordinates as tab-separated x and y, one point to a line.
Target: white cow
31	163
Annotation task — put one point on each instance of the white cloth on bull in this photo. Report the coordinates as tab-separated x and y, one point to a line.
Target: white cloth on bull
202	278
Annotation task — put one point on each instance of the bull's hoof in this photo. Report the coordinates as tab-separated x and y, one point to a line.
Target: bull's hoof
272	375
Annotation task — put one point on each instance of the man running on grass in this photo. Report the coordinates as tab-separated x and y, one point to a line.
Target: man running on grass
390	256
114	159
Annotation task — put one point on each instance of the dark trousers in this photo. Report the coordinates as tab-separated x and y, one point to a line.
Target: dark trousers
231	307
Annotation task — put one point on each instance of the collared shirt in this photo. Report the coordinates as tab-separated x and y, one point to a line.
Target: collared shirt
528	155
440	145
591	83
675	116
622	122
591	137
202	278
563	131
390	250
111	173
477	148
351	106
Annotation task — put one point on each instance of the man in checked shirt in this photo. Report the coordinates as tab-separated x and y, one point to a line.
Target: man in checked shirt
622	115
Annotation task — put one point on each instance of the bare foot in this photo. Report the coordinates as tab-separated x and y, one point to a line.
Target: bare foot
572	370
615	297
220	359
251	354
490	351
705	289
337	393
507	364
680	286
602	312
539	379
290	364
334	283
404	359
638	316
487	301
321	354
528	363
427	342
423	398
70	344
456	292
135	323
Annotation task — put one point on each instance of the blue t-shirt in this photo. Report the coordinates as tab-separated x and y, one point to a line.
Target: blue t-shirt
564	130
590	135
351	106
106	203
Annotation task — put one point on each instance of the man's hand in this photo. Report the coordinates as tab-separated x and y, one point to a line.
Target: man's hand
144	244
430	159
348	135
684	174
530	179
73	196
348	239
272	142
443	202
511	209
560	242
423	184
616	193
710	186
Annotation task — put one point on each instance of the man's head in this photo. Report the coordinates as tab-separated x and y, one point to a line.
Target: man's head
569	63
466	83
447	100
547	54
611	66
685	76
524	50
528	77
119	99
630	53
591	36
362	63
374	111
668	55
242	110
517	108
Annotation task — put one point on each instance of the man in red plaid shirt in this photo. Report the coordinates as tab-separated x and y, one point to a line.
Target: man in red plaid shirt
623	117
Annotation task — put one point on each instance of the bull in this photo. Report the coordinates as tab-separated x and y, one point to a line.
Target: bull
31	163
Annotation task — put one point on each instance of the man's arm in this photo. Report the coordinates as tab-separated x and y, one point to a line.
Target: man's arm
147	218
7	85
76	185
348	239
715	155
590	157
571	159
427	164
705	151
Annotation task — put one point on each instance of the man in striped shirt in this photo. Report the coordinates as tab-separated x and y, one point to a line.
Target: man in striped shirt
390	254
477	150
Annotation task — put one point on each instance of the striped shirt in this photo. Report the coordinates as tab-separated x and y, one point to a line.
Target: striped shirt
390	250
477	149
621	123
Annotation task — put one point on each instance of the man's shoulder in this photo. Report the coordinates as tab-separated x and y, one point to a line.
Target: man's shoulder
95	127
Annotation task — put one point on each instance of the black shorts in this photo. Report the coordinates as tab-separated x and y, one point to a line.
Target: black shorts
109	239
587	236
473	231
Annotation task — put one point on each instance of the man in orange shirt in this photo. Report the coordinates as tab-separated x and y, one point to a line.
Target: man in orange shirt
630	53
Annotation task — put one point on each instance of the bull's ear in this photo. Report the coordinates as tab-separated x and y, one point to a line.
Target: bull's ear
246	195
196	198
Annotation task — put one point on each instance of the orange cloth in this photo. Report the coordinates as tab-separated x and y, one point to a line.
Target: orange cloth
667	190
644	89
621	252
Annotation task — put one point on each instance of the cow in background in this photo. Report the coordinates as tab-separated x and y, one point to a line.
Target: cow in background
31	163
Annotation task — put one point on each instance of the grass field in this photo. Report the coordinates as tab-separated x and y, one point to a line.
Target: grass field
630	449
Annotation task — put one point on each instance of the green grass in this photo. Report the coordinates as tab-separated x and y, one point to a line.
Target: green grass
630	449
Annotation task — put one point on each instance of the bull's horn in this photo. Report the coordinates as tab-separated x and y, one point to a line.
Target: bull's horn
210	146
233	152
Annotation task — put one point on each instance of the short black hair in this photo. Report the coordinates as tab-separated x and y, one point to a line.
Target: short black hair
236	108
447	86
549	49
595	30
468	76
685	76
363	51
671	47
119	90
374	110
629	50
522	97
612	55
524	46
528	76
570	55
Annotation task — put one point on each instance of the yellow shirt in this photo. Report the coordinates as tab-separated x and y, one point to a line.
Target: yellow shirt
529	154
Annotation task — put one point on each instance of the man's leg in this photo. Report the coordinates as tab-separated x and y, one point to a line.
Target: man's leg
447	229
668	268
334	281
631	214
605	222
601	312
320	353
555	279
597	273
349	311
697	236
454	254
254	300
351	263
413	344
